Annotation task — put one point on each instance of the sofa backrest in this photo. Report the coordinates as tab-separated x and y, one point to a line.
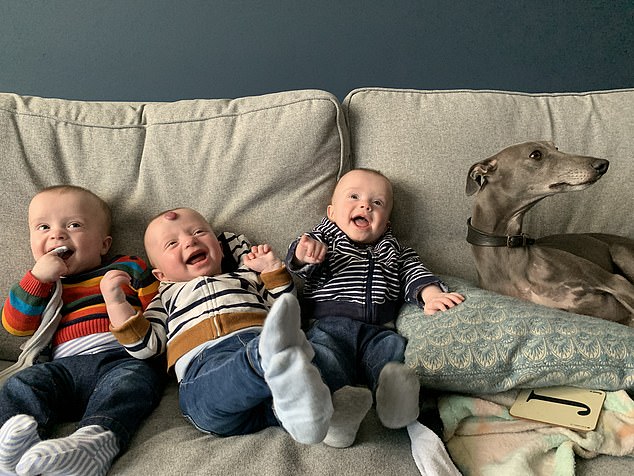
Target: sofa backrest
425	141
264	166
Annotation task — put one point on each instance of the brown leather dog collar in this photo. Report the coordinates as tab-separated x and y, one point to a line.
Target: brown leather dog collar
480	238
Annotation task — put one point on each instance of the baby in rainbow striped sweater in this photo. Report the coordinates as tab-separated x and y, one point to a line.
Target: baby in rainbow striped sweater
90	377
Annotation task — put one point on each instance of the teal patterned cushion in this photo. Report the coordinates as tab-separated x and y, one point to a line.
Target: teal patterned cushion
491	343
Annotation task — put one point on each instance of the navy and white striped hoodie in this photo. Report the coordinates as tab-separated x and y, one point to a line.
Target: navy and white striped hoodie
363	282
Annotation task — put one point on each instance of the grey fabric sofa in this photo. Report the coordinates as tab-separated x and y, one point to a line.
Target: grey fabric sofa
265	166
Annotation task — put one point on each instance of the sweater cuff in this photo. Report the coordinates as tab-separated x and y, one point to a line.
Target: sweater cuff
35	287
132	331
277	278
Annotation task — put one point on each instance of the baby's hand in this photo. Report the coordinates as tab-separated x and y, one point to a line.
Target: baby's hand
310	251
111	286
437	300
119	309
49	268
261	259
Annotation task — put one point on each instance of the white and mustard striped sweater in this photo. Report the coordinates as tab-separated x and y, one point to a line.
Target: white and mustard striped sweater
363	282
186	315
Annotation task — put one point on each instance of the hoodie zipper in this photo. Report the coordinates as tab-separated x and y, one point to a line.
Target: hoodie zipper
369	315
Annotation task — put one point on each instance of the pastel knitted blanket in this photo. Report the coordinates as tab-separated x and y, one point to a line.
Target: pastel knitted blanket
484	439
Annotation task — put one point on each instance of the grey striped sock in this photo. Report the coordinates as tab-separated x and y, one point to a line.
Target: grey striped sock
90	450
17	435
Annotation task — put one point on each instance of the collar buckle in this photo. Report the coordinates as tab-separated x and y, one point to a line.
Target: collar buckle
518	241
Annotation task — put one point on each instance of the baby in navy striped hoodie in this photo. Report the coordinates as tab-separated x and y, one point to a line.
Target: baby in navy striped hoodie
356	276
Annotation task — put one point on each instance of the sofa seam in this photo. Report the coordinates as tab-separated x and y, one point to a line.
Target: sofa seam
145	125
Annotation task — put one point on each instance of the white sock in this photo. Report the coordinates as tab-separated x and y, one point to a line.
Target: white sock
301	400
90	450
397	395
351	404
17	435
429	452
282	329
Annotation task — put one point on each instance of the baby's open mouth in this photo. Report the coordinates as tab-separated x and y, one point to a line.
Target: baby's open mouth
361	221
197	257
63	252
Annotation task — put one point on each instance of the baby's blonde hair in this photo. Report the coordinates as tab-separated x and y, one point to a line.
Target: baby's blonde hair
376	172
103	205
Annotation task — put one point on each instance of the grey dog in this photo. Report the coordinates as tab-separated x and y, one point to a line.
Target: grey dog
590	274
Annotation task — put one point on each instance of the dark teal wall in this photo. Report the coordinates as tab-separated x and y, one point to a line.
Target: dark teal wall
166	50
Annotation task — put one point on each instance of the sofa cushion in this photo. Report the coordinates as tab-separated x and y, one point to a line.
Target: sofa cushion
425	141
168	444
491	343
263	166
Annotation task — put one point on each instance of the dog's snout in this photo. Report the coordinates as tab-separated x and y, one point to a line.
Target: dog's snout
601	166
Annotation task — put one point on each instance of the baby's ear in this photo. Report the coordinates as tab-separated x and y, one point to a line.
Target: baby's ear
330	213
158	274
105	245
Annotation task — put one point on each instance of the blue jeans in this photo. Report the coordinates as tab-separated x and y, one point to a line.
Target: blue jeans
110	389
351	352
224	392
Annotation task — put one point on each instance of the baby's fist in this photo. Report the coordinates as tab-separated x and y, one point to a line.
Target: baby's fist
111	286
310	251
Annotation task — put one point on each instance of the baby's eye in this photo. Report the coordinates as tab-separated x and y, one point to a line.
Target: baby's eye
74	225
354	196
170	244
377	203
42	227
199	232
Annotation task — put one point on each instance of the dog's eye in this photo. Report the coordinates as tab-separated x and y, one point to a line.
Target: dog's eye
536	154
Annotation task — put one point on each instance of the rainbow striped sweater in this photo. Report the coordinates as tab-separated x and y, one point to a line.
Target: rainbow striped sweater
83	311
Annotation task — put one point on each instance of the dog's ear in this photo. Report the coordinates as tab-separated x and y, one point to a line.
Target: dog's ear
477	176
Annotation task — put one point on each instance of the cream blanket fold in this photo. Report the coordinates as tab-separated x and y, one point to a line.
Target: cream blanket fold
32	348
484	439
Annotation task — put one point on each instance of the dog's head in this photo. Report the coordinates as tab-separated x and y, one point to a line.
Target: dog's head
536	169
